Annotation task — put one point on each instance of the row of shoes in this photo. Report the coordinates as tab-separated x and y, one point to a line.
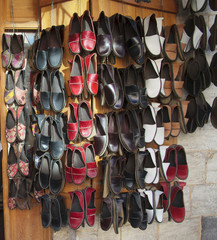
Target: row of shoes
80	163
13	51
83	75
126	207
15	89
53	212
47	51
51	174
48	90
82	208
199	5
18	196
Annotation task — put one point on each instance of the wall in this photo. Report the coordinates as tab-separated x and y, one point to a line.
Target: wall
200	193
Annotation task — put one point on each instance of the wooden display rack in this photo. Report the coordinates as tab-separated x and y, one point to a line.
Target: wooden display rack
27	224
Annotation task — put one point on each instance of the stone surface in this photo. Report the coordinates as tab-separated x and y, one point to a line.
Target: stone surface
211	166
203	200
209	229
189	230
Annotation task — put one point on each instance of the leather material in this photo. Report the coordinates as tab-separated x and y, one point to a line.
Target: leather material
90	160
44	138
56	220
113	140
76	85
106	214
139	168
74	43
72	123
44	170
46	210
89	196
119	87
104	43
135	210
88	40
57	180
74	34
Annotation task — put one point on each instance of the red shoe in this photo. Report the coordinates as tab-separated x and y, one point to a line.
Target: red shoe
68	163
85	118
90	160
88	38
171	157
76	82
182	165
78	166
72	124
177	207
166	187
90	210
74	34
91	73
76	215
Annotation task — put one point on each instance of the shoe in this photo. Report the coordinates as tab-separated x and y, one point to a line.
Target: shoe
104	39
159	135
79	168
159	209
63	211
91	73
176	127
46	211
143	102
21	124
6	53
129	180
74	34
45	91
45	135
68	163
90	160
38	190
76	82
119	86
9	88
113	139
106	215
41	53
72	123
87	37
77	209
44	170
11	126
182	165
12	166
213	5
125	197
85	119
166	188
56	220
55	51
22	194
140	174
150	166
167	124
17	51
149	205
57	96
20	89
23	162
90	209
11	195
118	213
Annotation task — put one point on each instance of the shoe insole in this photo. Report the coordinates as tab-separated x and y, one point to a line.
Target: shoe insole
171	38
12	158
107	77
56	171
159	119
160	202
130	165
147	203
171	159
56	87
45	167
132	77
37	184
152	28
102	26
55	213
23	156
53	38
166	117
22	117
91	203
37	82
178	201
175	115
140	80
77	160
69	158
149	70
115	27
129	31
15	45
72	118
147	117
188	27
57	94
9	81
76	68
84	113
133	205
10	121
55	137
45	84
89	156
46	129
75	207
181	157
91	66
148	163
112	127
87	26
20	81
75	26
105	211
124	122
165	72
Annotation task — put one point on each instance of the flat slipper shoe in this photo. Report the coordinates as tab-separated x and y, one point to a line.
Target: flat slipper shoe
45	90
20	89
106	215
12	166
12	194
181	42
198	5
150	166
129	181
76	82
72	122
191	115
183	106
11	126
23	162
17	51
57	96
177	81
45	210
213	38
9	88
45	135
56	220
6	53
36	88
55	51
167	121
38	190
21	124
41	53
90	160
175	121
22	194
74	34
63	210
159	209
118	212
118	83
149	205
201	110
90	210
159	136
203	28
166	77
44	170
143	102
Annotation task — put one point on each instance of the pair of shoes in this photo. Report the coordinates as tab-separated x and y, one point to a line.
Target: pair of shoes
173	162
53	212
15	125
153	204
49	52
82	207
196	5
80	120
51	137
198	112
51	174
173	200
80	162
110	86
15	88
17	161
13	51
84	75
48	90
81	33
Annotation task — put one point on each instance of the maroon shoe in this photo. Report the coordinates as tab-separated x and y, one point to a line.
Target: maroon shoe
166	188
78	166
76	215
74	34
90	210
90	160
85	118
182	165
72	124
171	158
177	207
76	81
91	73
68	163
87	38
